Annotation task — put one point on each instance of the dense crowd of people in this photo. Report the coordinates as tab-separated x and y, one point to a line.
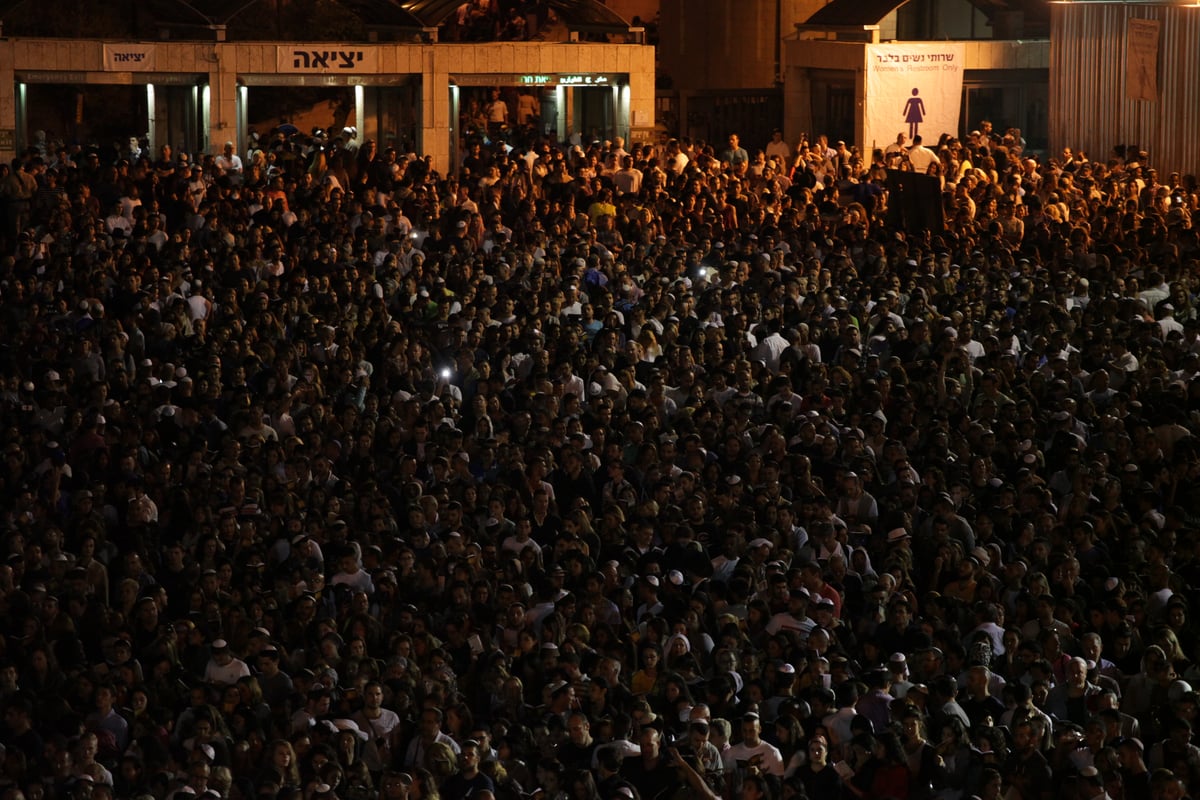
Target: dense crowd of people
514	20
586	473
494	20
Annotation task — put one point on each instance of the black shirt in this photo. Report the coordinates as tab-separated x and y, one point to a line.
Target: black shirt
650	782
821	783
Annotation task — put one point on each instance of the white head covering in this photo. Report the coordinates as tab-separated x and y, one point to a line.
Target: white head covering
868	571
676	637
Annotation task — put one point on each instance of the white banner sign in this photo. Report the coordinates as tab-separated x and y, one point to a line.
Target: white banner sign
914	89
1141	59
324	60
129	57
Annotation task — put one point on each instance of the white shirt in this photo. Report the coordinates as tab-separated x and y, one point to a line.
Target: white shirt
199	306
780	149
768	758
771	349
114	221
788	622
225	675
628	181
921	157
231	163
360	580
382	725
497	111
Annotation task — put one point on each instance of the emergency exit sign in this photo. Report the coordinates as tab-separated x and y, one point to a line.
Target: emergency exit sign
565	80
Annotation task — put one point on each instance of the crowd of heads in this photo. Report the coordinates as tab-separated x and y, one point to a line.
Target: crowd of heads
491	20
597	473
537	20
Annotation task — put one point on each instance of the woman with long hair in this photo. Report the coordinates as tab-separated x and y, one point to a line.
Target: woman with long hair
42	676
880	767
645	680
1164	636
694	628
789	737
925	768
651	350
424	785
282	767
958	760
676	696
758	614
1148	689
582	786
348	745
250	699
441	761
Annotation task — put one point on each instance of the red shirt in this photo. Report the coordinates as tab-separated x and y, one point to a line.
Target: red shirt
828	591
